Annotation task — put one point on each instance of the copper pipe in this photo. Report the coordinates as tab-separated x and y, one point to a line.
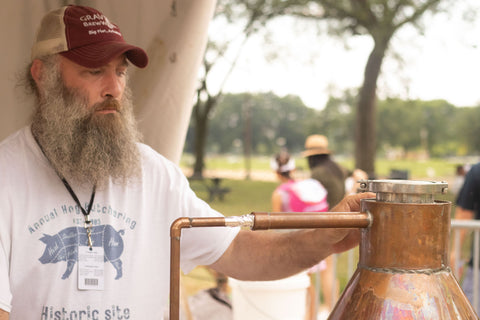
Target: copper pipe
255	221
307	220
175	234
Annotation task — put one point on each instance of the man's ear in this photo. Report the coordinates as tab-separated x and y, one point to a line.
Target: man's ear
36	70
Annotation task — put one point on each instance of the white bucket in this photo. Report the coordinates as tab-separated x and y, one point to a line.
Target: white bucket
284	299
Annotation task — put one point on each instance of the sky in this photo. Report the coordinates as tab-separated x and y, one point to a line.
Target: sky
444	63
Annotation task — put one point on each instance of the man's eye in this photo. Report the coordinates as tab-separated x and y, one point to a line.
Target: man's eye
95	72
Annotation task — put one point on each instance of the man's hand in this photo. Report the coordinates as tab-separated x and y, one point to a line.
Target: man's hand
344	239
351	203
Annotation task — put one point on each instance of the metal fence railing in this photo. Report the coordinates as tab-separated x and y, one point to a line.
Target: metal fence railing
474	226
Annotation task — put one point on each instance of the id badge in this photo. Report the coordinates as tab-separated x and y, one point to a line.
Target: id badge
90	268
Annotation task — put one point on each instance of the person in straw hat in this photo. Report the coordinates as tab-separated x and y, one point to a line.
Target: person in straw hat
324	169
332	177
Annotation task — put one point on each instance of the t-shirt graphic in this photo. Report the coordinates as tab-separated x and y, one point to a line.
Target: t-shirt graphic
63	246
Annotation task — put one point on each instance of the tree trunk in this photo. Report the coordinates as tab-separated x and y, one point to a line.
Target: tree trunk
365	129
201	132
200	140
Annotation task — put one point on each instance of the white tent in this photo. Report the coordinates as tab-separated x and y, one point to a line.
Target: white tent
174	34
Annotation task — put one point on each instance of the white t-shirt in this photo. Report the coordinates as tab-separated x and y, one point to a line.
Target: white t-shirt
41	229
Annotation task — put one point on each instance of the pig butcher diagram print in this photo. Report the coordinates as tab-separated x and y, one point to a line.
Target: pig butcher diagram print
63	246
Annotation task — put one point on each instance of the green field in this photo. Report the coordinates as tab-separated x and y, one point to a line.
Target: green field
432	169
244	197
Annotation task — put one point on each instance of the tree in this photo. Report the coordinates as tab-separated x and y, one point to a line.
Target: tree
336	121
431	126
251	15
380	19
468	131
275	122
436	127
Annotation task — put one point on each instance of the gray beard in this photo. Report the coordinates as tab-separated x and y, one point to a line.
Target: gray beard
82	146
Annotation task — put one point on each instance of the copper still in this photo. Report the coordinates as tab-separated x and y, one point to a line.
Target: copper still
402	271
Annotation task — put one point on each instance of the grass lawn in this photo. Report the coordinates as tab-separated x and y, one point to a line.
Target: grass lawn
244	197
435	169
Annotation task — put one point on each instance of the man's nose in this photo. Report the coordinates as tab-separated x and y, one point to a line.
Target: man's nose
113	85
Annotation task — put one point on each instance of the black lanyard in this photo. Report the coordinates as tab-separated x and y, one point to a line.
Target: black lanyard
86	214
74	196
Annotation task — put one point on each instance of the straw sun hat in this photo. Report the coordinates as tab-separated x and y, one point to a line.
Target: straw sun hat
316	144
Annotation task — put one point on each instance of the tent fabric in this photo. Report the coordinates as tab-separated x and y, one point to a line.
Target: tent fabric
174	35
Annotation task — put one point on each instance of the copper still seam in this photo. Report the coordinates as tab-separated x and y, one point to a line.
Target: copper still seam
427	271
256	221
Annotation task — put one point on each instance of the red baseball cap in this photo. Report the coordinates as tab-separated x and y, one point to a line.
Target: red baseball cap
85	36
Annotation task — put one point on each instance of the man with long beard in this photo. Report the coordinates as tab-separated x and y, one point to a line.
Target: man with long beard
85	208
89	144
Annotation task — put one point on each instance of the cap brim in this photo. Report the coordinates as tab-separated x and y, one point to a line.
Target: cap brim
98	54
